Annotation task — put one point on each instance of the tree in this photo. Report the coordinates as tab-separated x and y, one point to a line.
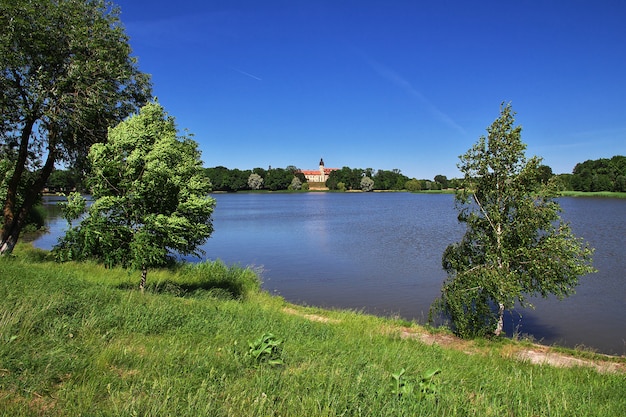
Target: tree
238	179
62	180
150	197
442	180
413	185
296	184
545	173
67	75
600	175
278	179
255	181
426	184
350	177
367	184
389	180
515	244
220	178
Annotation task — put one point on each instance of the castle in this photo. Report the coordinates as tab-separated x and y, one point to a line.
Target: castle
320	175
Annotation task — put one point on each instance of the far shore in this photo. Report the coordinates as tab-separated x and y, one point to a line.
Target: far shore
596	194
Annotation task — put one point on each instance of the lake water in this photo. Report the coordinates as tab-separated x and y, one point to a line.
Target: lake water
381	253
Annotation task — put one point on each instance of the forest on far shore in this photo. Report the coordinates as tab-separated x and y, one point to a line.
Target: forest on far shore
596	175
602	174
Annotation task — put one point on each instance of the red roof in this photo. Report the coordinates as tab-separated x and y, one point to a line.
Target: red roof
327	171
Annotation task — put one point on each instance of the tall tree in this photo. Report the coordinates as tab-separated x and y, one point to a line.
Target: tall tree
367	184
442	180
515	244
150	197
67	75
255	181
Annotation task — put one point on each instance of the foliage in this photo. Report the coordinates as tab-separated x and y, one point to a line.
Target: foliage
255	181
35	216
278	179
266	349
427	386
231	180
63	180
67	75
296	184
150	197
273	179
389	180
428	185
350	177
600	175
73	208
442	180
515	244
413	185
367	184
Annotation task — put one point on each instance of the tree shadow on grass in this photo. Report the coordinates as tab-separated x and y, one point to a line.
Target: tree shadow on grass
214	289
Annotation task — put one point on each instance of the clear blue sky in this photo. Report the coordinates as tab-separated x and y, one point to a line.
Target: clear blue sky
385	84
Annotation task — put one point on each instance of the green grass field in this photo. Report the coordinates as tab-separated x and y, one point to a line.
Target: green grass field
78	339
604	194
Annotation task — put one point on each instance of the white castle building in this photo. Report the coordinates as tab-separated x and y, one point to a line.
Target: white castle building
320	175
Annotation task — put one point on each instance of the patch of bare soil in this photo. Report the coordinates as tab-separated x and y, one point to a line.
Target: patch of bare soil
543	355
312	317
441	339
536	354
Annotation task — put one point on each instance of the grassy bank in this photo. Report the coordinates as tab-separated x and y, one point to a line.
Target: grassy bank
76	339
604	194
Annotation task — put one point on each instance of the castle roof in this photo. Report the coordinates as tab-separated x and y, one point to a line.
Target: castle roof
317	171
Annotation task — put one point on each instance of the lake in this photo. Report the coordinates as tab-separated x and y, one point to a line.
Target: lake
381	253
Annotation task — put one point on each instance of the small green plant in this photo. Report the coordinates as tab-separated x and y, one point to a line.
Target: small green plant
400	385
266	349
426	384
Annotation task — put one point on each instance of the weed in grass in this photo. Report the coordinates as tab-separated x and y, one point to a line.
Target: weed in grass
427	386
266	349
401	386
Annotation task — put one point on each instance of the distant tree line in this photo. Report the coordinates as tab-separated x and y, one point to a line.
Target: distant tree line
290	178
352	179
596	175
593	175
64	181
272	179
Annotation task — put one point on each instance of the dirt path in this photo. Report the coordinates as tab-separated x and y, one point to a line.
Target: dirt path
535	354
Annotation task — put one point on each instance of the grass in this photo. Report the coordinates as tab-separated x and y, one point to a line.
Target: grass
604	194
78	339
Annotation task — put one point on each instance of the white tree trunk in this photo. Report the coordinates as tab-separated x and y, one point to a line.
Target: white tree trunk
144	274
500	324
7	245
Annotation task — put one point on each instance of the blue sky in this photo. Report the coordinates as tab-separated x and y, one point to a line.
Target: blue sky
385	84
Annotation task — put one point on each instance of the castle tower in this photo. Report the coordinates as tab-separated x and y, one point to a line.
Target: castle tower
322	172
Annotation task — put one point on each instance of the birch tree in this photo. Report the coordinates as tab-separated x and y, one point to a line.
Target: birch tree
515	245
